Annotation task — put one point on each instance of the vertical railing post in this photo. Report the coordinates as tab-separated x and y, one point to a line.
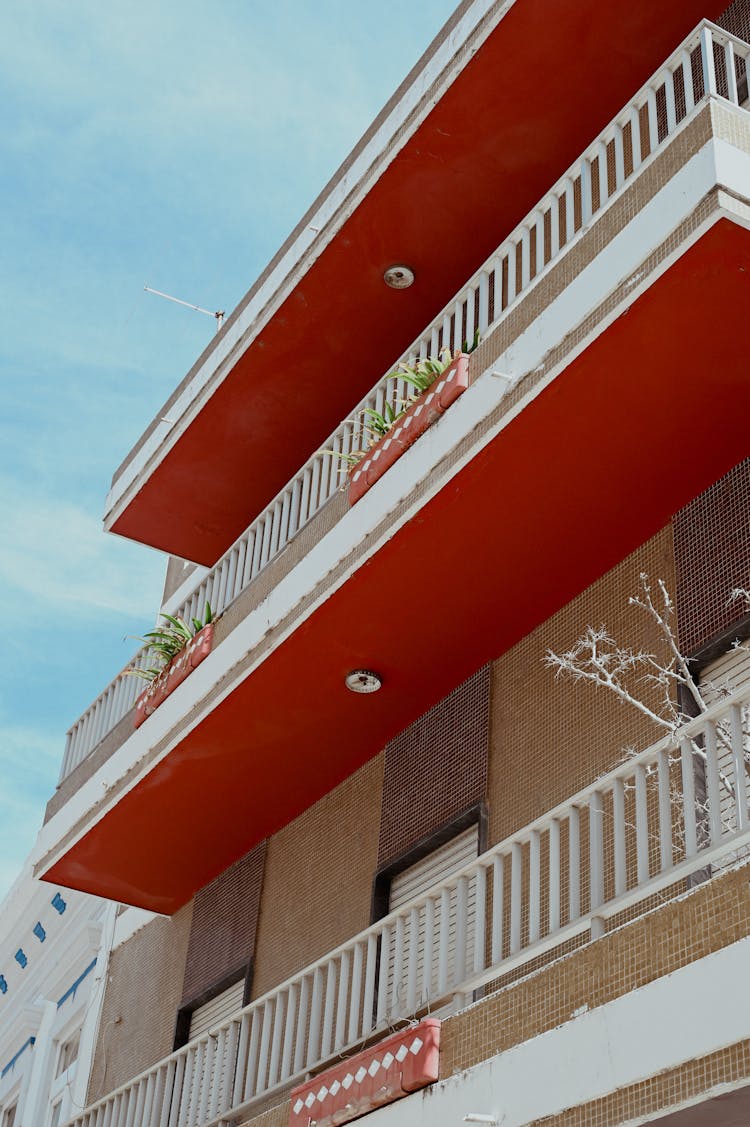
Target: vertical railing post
707	62
596	851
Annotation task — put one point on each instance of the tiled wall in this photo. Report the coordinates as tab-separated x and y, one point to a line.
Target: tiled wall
318	879
436	768
712	553
549	736
144	987
222	934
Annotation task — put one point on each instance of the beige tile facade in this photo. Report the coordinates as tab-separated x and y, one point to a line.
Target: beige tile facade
647	1100
317	885
676	934
143	992
549	736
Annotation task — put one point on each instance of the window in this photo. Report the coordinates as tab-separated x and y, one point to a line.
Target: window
56	1110
67	1053
9	1116
726	674
411	983
217	1009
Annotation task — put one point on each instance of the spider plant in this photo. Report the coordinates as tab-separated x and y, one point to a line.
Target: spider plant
420	376
167	641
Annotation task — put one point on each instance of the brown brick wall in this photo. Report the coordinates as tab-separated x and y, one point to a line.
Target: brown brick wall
675	935
647	1100
435	768
736	19
709	918
550	737
140	1003
712	553
318	879
222	933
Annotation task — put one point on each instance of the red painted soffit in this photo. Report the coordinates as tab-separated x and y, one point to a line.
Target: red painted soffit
537	92
649	415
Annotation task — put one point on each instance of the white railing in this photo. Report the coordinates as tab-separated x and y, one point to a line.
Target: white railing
678	809
709	60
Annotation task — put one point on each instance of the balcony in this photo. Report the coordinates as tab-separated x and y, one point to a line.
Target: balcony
489	117
632	841
649	222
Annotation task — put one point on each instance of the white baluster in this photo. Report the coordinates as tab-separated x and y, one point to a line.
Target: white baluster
601	160
554	875
498	908
462	922
619	147
554	217
299	1045
429	949
534	885
330	998
707	62
665	811
515	898
634	117
344	981
512	275
411	973
653	120
670	100
316	1011
278	1030
252	1083
368	1001
443	941
738	759
618	817
574	864
688	798
713	784
641	824
587	205
596	851
484	301
291	1016
480	918
687	80
385	958
570	209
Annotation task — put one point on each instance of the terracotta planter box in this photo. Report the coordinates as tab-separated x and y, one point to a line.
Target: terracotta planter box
422	414
197	649
388	1071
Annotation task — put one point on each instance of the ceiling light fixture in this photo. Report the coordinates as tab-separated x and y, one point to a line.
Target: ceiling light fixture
399	277
362	681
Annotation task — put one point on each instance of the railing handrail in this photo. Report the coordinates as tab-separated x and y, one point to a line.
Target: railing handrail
304	496
692	732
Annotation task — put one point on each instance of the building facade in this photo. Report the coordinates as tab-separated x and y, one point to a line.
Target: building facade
479	891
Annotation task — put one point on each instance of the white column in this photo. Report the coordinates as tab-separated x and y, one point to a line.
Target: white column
34	1110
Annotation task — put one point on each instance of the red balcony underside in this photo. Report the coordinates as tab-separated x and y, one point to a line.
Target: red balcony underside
649	415
548	79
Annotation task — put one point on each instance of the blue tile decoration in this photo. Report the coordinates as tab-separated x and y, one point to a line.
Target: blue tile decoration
58	903
3	985
26	1045
70	992
20	957
39	932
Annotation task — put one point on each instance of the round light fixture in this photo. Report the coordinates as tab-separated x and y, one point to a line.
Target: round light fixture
362	681
399	277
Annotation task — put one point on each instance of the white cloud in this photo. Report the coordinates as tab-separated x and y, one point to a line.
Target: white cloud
54	559
31	760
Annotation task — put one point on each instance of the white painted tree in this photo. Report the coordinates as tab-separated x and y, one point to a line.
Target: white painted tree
598	659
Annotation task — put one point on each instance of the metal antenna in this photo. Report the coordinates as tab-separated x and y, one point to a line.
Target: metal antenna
218	315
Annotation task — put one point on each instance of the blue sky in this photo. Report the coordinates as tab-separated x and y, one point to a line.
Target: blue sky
176	145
